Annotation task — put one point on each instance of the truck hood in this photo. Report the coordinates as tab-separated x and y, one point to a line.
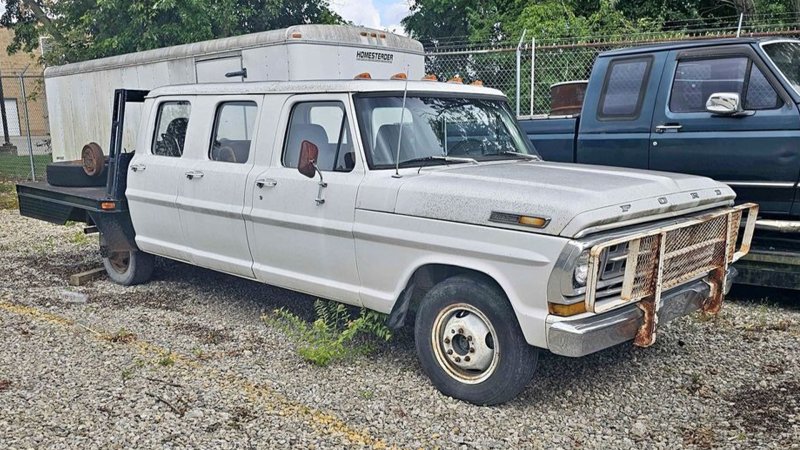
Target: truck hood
575	199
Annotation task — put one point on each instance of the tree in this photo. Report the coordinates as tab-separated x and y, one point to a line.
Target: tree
88	29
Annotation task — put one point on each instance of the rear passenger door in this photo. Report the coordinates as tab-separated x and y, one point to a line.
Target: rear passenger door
756	153
154	176
219	157
618	109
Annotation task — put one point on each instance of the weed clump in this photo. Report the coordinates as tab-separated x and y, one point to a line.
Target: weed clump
337	333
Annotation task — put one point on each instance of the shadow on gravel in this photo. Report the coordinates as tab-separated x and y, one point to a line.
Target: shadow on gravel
768	409
783	298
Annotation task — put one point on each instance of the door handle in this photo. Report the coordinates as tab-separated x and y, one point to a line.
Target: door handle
192	174
263	182
668	127
138	167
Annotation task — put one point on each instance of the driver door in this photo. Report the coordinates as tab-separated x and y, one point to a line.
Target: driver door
756	153
301	231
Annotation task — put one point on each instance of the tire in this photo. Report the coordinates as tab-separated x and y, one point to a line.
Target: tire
71	174
93	159
129	268
490	361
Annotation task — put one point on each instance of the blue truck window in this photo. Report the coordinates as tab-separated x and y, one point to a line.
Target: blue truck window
623	89
760	94
696	79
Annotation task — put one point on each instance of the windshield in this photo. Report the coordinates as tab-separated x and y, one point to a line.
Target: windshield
437	127
786	56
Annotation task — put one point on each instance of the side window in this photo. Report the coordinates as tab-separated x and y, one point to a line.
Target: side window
171	122
623	90
233	132
696	80
325	125
760	94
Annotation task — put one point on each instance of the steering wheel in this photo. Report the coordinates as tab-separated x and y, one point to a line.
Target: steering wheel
464	147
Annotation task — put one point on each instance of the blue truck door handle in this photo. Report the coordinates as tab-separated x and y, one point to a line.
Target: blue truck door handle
668	127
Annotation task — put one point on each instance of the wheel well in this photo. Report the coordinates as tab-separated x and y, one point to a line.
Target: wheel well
421	281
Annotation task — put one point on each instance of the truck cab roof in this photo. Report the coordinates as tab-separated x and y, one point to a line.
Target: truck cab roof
324	86
666	46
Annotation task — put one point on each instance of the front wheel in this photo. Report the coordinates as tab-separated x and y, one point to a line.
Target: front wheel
469	342
129	268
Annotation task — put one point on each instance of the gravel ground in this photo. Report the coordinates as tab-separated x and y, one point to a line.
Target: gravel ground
185	361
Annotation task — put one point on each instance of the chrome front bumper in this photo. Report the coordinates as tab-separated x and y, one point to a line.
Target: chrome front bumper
581	337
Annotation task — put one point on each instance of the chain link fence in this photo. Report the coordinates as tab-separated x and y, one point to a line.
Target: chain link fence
526	69
25	148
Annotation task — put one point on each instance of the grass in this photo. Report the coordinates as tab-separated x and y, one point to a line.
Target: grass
338	332
8	196
13	167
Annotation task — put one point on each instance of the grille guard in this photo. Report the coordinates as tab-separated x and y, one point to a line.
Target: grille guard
662	258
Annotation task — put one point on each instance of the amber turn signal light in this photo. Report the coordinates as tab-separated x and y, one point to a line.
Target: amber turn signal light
558	309
107	205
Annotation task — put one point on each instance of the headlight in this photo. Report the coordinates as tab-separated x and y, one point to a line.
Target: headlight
581	269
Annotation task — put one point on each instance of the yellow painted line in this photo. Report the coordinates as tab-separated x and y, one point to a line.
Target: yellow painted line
267	397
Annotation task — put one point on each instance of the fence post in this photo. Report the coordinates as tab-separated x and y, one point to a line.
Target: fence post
533	68
519	60
27	121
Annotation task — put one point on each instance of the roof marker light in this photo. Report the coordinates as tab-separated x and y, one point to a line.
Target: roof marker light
297	35
430	77
399	76
456	80
363	76
476	83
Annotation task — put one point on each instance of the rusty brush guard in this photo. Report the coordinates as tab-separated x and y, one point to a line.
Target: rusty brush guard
666	257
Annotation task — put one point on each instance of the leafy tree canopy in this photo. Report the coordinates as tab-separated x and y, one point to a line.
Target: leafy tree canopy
88	29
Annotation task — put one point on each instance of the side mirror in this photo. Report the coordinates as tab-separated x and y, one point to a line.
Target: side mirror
307	164
724	103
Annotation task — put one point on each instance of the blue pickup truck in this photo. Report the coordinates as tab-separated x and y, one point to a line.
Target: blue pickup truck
726	109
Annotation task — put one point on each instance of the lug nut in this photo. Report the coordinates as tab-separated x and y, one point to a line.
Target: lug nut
472	349
469	338
466	358
450	351
446	340
460	331
453	331
458	359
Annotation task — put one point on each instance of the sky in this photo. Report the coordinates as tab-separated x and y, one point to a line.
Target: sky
381	14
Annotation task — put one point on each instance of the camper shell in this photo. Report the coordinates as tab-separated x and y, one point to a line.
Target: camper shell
79	95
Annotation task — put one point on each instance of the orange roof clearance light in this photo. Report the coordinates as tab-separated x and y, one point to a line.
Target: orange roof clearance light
456	80
383	35
297	35
430	77
476	83
363	76
399	76
364	33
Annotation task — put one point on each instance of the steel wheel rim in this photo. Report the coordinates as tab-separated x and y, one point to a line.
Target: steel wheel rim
464	343
120	261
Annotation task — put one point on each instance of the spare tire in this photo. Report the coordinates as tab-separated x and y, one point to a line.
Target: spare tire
72	174
93	159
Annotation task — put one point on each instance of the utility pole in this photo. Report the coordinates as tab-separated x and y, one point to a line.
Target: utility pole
7	146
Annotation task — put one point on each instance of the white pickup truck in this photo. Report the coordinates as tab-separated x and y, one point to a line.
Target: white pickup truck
406	197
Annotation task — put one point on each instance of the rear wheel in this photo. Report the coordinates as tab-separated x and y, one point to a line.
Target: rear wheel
92	159
470	344
129	268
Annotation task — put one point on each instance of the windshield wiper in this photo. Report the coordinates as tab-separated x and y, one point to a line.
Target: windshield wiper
522	155
446	159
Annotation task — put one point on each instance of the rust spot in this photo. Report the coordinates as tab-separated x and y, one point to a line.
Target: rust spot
646	334
716	281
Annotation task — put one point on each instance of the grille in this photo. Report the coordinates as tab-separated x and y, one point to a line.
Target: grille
657	260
